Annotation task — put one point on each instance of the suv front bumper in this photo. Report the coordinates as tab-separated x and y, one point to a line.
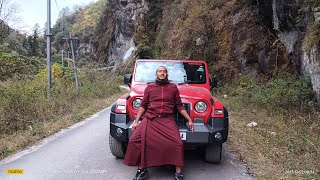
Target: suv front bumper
215	131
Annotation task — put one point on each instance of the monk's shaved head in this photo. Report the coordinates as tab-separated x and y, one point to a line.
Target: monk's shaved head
161	68
161	73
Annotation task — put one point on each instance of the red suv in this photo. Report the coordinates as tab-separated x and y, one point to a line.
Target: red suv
209	115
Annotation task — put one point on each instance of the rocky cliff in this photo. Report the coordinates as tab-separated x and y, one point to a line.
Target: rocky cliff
261	38
118	22
297	27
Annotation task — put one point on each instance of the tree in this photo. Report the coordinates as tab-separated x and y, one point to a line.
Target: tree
33	41
4	30
64	12
87	20
30	45
37	28
17	42
81	22
35	44
8	11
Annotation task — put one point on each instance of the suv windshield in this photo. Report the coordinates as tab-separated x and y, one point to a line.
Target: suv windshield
179	72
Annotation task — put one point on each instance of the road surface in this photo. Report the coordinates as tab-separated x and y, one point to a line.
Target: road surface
82	152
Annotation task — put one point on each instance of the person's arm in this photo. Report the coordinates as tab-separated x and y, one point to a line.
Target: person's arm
136	121
186	115
182	110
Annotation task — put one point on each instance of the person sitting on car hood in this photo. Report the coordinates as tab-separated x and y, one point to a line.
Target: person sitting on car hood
156	140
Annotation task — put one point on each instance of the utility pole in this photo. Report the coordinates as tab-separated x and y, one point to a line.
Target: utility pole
74	63
74	59
68	59
62	57
49	46
68	56
68	52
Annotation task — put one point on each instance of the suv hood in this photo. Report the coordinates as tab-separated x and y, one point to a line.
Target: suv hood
194	92
185	90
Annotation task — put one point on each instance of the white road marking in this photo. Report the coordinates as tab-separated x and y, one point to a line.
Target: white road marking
47	140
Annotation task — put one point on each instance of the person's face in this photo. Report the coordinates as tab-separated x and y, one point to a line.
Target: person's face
161	73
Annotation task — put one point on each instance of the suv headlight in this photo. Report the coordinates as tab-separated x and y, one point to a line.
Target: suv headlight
121	108
201	106
136	103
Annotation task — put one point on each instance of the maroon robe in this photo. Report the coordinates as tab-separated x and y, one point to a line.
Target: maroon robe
156	140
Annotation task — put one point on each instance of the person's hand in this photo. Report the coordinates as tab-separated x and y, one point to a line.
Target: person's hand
134	126
191	125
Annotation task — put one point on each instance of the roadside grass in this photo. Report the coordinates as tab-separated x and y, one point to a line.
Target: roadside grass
27	115
285	144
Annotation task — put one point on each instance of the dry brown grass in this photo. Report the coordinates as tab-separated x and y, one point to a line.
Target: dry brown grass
27	114
19	140
284	145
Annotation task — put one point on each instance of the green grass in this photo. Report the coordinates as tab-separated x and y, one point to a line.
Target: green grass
286	142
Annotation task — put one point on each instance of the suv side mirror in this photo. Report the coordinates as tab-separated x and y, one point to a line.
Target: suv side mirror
127	79
213	83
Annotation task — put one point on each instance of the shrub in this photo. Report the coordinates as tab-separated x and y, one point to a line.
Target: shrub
289	91
23	103
312	37
287	121
14	65
278	92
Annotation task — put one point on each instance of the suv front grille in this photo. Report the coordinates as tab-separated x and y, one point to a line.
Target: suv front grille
181	121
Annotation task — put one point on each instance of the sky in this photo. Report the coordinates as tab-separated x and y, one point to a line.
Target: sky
35	11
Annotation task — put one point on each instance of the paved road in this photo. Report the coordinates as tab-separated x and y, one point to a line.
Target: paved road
82	152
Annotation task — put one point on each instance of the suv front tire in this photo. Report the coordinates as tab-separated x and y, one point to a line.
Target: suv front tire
117	148
213	153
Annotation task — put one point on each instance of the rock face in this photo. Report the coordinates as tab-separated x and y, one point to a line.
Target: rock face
311	61
257	37
125	13
290	23
310	66
286	20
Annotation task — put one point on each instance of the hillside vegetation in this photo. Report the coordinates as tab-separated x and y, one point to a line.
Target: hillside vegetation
260	79
28	113
285	142
80	24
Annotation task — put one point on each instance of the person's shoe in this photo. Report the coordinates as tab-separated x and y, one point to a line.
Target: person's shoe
178	176
141	174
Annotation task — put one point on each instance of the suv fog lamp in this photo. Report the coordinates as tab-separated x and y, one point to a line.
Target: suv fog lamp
218	111
218	136
136	103
119	131
201	106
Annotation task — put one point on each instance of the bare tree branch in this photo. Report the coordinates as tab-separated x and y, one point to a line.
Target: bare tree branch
8	17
